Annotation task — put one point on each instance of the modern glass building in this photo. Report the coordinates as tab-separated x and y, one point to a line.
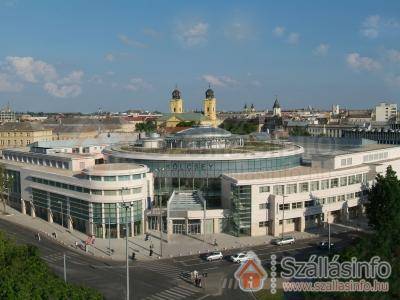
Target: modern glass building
194	159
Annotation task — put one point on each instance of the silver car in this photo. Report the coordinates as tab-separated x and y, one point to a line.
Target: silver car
215	255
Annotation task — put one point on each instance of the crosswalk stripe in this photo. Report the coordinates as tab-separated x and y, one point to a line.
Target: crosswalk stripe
230	283
184	292
169	293
224	283
155	297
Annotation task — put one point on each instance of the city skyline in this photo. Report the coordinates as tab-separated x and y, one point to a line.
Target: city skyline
81	56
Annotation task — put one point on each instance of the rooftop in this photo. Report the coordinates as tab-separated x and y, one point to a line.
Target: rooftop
21	126
115	167
202	132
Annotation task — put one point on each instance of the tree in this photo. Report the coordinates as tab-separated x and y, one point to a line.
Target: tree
5	186
23	275
148	126
299	131
186	124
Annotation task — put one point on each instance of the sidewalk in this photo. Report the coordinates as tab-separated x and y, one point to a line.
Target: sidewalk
177	245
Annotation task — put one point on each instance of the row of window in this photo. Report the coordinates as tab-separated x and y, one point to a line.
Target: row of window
37	161
375	156
311	218
346	161
304	187
322	201
80	189
8	134
115	178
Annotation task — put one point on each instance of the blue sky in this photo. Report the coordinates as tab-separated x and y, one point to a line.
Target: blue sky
118	55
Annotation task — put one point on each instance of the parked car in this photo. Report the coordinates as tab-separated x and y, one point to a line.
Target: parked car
215	255
324	245
283	241
239	257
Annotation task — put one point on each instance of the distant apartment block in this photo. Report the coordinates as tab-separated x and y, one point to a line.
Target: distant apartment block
383	112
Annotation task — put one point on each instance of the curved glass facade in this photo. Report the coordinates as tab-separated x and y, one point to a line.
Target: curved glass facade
203	175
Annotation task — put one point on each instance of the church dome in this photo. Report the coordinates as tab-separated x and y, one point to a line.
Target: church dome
176	94
209	94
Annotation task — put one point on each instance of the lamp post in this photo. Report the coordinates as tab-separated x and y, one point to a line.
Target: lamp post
126	244
62	215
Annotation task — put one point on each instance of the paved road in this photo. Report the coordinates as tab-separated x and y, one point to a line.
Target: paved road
159	280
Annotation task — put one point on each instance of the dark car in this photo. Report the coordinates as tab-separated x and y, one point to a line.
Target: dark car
324	245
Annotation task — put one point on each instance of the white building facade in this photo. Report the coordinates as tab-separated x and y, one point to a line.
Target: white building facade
79	191
333	189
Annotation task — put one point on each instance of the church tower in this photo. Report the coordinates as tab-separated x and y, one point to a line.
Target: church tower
210	106
276	108
176	103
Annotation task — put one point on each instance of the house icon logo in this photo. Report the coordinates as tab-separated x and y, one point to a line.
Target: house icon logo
251	274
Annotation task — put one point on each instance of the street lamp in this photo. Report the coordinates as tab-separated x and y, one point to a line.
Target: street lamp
126	206
158	171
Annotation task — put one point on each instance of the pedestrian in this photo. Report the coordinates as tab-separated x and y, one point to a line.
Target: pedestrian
151	252
199	283
38	236
76	245
215	242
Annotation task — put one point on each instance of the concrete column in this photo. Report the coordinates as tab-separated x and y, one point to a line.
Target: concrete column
187	224
169	227
275	228
70	226
49	216
23	207
344	214
132	229
33	214
202	226
302	224
216	225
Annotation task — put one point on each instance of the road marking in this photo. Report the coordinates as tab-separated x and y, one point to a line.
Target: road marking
175	293
230	283
224	283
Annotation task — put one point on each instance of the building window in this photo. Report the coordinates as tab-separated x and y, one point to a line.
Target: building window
264	189
358	178
350	196
110	192
278	189
303	187
309	203
334	182
331	200
320	201
352	179
285	206
325	184
297	205
343	181
95	178
124	177
291	188
314	185
110	178
263	224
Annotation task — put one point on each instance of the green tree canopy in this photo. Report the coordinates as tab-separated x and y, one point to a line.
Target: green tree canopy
23	275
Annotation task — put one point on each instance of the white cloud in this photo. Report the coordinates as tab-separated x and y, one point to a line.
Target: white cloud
256	83
374	25
71	78
62	91
31	70
97	79
239	31
131	42
370	26
361	63
393	55
6	85
109	57
393	80
136	84
194	35
222	81
293	38
279	31
321	50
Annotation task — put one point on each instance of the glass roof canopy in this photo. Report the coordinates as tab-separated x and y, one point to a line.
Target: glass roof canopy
204	137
